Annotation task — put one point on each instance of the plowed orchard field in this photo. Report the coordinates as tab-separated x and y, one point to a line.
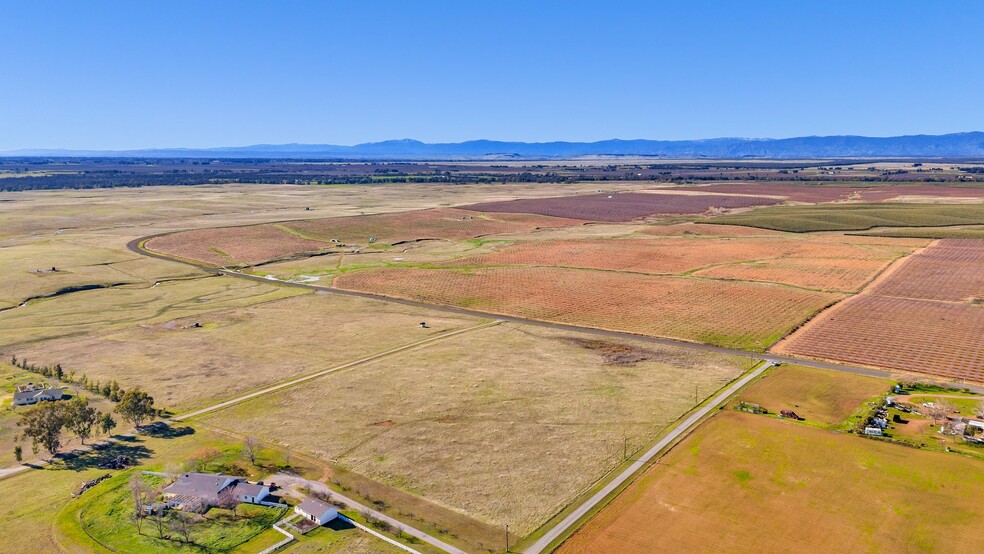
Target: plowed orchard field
622	207
234	245
439	223
952	269
934	329
726	313
820	264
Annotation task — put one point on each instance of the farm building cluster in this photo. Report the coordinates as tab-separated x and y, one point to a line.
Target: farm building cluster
197	492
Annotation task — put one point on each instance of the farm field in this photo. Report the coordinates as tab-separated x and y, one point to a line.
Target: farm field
252	245
951	270
828	265
505	425
955	232
820	193
622	206
821	397
753	478
699	310
855	216
238	349
886	326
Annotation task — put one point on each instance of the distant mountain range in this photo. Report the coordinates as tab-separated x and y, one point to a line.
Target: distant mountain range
956	145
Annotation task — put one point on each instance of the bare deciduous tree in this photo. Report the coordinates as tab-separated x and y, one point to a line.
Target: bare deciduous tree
138	492
182	524
251	448
939	410
204	456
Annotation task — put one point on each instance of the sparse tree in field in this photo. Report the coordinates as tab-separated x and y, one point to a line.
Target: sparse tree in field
138	493
136	406
80	417
251	448
979	412
43	425
19	453
288	454
182	524
106	423
204	456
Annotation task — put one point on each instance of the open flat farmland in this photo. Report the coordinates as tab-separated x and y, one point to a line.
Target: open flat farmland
256	244
725	313
819	396
951	269
234	245
918	317
506	424
922	336
442	223
239	349
855	216
814	193
753	484
622	206
817	264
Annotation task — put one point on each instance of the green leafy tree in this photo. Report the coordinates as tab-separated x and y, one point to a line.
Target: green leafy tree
136	406
43	424
106	423
19	453
80	417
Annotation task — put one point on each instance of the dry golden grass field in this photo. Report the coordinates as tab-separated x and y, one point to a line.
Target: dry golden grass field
759	484
238	349
505	424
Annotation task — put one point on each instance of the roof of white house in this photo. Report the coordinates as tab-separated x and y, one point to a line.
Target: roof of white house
313	506
201	485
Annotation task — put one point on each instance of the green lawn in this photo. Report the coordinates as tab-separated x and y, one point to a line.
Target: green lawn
103	515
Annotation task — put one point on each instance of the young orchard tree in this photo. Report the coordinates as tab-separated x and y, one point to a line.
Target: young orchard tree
136	406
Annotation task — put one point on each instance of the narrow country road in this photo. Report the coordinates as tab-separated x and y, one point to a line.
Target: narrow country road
643	460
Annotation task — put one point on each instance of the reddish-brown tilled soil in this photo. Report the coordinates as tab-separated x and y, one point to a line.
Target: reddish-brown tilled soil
923	316
621	206
726	313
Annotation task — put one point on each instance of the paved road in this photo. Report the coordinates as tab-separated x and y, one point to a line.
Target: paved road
288	482
134	246
324	372
643	460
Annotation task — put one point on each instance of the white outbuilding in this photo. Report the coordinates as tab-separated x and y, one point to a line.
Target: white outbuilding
316	510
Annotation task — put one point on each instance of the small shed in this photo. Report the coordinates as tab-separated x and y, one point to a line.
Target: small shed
316	510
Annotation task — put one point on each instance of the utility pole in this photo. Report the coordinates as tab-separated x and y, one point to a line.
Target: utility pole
507	537
695	394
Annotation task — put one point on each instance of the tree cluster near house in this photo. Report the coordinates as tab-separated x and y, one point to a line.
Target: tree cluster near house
45	423
108	389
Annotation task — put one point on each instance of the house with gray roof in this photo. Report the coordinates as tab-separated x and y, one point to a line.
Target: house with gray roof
32	393
200	491
315	510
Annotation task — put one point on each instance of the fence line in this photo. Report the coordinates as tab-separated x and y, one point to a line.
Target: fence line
399	545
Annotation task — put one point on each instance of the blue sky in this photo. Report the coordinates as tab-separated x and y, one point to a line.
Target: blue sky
143	74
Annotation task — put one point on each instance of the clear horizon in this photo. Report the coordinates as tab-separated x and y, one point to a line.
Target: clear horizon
130	76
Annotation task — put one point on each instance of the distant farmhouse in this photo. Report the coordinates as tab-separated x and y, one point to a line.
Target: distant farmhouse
32	393
197	492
